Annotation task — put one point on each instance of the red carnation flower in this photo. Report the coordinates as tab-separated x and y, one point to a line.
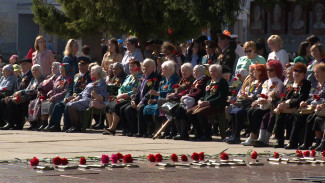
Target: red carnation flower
306	153
159	157
235	79
151	158
170	31
83	161
238	75
195	156
136	69
64	161
184	157
224	156
276	155
117	101
254	155
316	97
313	153
174	157
155	79
209	61
234	102
201	156
31	111
299	153
175	86
149	80
283	95
4	89
69	80
17	99
174	52
119	156
323	153
215	87
264	96
57	161
127	158
42	97
93	78
105	159
34	162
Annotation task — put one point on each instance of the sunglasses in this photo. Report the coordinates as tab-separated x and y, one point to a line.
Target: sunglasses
270	70
298	71
248	51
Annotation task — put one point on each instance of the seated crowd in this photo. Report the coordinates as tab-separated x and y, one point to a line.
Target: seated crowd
205	89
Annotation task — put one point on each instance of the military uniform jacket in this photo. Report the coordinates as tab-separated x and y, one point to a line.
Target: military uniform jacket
228	58
216	93
79	84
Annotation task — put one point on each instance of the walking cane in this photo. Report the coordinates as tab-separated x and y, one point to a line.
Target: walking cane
162	128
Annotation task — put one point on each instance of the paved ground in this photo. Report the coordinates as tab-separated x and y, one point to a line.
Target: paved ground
27	144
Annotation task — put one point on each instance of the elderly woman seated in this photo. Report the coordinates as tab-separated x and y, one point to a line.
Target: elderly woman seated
212	103
117	80
17	105
125	92
57	94
188	99
170	78
96	91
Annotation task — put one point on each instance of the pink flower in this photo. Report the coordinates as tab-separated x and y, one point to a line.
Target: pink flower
114	158
105	159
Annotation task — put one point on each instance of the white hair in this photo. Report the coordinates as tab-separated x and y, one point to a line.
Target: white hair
217	67
200	69
57	65
99	70
188	66
152	62
38	67
170	65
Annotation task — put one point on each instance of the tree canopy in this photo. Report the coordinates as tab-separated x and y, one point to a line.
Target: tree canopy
164	19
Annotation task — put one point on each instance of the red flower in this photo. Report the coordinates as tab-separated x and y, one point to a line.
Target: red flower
4	89
299	153
174	52
170	31
254	155
149	80
224	156
235	79
119	155
69	80
93	78
83	161
313	153
151	158
128	158
117	101
276	155
105	159
34	162
175	86
316	97
234	102
209	61
264	96
174	157
323	153
306	153
136	69
155	79
238	75
42	97
17	99
195	156
64	161
215	87
234	92
57	161
283	95
184	157
201	155
31	111
159	157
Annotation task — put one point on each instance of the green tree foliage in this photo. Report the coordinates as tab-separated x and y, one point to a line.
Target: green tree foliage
145	18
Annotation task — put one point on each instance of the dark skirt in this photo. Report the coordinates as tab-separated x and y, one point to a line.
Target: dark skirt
206	110
319	124
114	107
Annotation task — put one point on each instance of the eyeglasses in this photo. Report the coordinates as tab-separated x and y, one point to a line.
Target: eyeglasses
298	71
270	70
248	51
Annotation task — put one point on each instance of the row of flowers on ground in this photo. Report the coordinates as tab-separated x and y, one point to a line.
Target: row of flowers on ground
118	157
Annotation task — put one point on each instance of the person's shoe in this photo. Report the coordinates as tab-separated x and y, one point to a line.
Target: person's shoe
280	144
109	132
317	142
289	146
170	136
98	126
130	134
55	129
303	147
248	142
75	130
321	146
138	135
43	125
234	141
65	128
6	127
259	143
70	129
